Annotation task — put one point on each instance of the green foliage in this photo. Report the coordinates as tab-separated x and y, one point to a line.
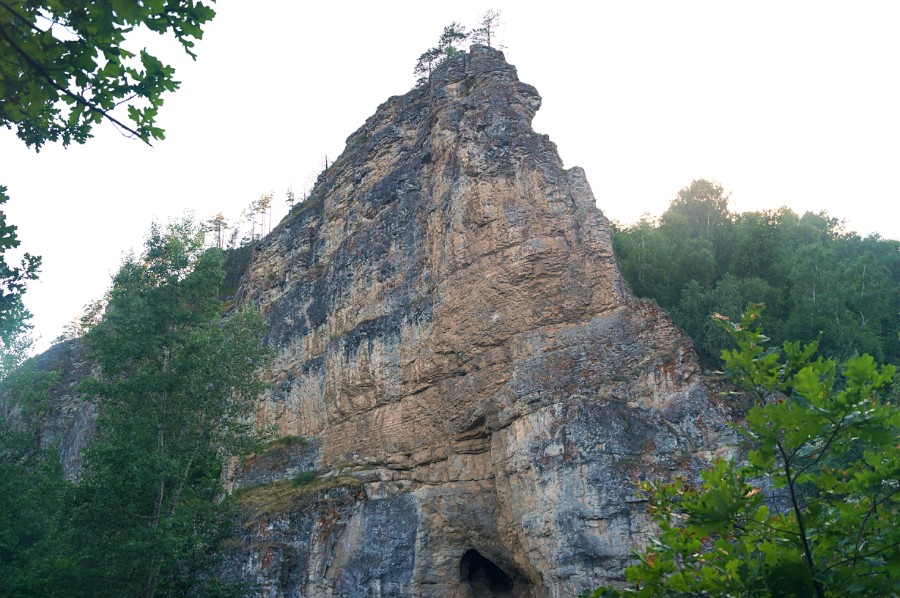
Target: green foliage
175	391
449	44
237	260
14	327
63	69
288	440
452	39
818	281
91	315
814	509
65	66
26	390
281	496
31	482
175	394
305	478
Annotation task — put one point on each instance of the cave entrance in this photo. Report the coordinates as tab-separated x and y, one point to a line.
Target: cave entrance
483	577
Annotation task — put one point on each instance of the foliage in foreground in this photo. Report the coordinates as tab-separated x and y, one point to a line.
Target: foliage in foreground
175	388
814	510
66	65
31	479
15	339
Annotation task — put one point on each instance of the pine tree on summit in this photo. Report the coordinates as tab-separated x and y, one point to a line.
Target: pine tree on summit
486	33
452	39
449	44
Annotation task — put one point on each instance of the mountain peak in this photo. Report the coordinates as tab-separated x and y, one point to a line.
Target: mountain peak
453	334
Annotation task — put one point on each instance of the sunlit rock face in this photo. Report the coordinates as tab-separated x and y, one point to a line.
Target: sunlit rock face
479	390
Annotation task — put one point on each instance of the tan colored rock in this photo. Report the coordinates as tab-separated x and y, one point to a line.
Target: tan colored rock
452	330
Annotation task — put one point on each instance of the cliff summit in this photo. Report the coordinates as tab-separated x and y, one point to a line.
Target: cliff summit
478	391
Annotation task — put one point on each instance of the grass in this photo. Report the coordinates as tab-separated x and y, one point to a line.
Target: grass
303	206
306	478
287	440
284	495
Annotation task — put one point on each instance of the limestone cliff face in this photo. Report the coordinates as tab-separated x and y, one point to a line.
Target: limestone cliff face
479	390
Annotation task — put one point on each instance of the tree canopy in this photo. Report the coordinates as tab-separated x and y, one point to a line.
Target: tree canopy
65	66
451	41
819	282
813	509
175	388
14	328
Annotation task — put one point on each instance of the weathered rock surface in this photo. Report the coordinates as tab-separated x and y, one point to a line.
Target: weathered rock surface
68	421
454	338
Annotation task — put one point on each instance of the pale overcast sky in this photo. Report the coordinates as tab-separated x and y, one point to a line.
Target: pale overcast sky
784	103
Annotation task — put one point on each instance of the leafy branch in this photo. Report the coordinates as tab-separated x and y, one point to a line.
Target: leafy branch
829	443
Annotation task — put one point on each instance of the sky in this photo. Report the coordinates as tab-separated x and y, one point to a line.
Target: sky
785	103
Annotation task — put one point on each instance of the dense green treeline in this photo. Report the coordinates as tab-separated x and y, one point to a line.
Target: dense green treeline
818	281
175	385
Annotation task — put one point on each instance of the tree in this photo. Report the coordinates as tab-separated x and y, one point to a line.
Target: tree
175	390
30	476
14	328
91	315
31	483
641	254
65	68
728	297
486	31
262	206
290	197
700	211
818	281
425	65
703	205
452	39
449	44
218	224
814	509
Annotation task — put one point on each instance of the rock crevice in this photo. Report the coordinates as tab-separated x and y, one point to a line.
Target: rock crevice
453	332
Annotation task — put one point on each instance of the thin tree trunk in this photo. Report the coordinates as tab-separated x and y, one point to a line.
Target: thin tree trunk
807	550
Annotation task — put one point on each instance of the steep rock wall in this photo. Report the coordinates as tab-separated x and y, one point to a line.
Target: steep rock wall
476	381
68	420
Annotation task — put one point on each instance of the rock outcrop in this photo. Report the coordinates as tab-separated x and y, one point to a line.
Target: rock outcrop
478	391
68	421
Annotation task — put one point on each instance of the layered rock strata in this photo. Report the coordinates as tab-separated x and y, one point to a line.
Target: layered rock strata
478	391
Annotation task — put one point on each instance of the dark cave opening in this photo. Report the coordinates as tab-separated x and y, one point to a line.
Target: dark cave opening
483	576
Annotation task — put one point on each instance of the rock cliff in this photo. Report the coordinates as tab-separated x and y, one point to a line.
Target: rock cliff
69	419
474	386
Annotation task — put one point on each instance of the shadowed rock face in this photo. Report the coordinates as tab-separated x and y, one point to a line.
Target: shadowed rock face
453	335
69	419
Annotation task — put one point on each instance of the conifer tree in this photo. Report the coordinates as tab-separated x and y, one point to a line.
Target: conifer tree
486	32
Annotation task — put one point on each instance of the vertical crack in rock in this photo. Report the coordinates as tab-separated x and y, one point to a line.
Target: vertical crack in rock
478	391
452	329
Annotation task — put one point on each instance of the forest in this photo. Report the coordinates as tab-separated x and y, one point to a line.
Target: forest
148	518
811	509
178	370
818	281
